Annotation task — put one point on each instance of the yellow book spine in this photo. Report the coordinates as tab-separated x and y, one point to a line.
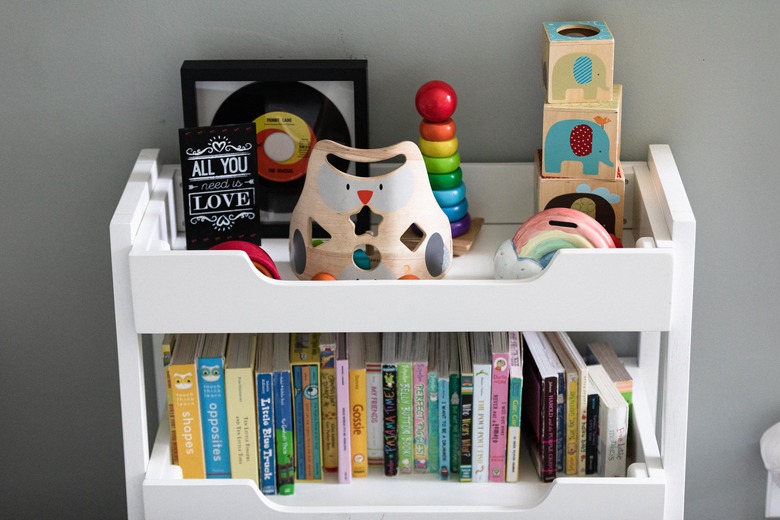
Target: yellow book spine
242	423
359	433
186	406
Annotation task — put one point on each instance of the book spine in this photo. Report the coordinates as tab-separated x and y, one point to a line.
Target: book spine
308	442
330	455
300	437
433	423
499	411
571	392
420	394
265	433
374	417
405	418
445	443
213	413
316	422
283	420
466	424
390	419
454	402
167	351
343	422
582	420
560	445
480	429
359	432
186	408
548	427
592	451
514	429
242	423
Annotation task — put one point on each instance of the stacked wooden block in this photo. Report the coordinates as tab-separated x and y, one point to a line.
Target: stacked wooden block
579	163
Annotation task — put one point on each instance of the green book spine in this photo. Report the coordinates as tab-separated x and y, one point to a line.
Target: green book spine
405	418
433	422
454	424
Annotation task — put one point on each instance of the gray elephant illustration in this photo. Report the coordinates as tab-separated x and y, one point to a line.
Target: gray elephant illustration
576	140
581	71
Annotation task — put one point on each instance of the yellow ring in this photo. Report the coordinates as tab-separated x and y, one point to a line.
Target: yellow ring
438	148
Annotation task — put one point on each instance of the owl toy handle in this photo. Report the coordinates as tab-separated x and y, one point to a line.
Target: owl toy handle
326	147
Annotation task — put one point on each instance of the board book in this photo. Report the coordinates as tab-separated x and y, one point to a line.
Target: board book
213	408
241	412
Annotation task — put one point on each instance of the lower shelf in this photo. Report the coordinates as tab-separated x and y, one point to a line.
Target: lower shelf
167	495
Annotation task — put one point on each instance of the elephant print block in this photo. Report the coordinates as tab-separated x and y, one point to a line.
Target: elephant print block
578	62
582	139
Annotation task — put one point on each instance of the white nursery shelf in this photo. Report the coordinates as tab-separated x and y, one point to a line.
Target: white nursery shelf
646	287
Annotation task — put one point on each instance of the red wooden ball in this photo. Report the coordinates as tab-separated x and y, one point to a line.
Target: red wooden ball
436	101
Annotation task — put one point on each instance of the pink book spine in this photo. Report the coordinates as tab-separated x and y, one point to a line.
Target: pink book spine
499	416
342	418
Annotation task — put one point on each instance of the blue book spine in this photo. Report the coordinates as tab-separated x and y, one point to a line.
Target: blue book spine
300	442
283	419
433	422
443	410
265	433
211	385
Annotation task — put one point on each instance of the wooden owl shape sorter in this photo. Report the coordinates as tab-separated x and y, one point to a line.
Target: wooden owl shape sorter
409	237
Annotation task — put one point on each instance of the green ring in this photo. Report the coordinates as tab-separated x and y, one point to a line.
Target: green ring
442	164
445	181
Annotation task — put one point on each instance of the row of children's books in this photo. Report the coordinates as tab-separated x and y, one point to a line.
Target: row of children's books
577	407
281	408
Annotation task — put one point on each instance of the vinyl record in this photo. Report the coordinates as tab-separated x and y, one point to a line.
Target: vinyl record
290	117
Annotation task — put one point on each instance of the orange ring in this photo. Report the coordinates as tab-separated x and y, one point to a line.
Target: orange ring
443	131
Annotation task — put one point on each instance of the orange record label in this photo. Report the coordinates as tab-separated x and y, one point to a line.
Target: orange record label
284	143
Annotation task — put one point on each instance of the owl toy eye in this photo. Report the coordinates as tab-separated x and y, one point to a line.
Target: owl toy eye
347	186
381	187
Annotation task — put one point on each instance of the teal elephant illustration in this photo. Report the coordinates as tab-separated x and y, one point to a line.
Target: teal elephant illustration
576	140
581	71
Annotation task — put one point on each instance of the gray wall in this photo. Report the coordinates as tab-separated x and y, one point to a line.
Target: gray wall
85	84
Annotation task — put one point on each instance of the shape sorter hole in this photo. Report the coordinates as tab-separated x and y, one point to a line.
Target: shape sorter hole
578	31
321	234
366	257
366	214
413	237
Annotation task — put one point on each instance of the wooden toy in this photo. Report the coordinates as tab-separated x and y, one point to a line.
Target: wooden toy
450	196
601	199
442	164
412	236
578	61
443	131
436	101
582	139
445	181
438	148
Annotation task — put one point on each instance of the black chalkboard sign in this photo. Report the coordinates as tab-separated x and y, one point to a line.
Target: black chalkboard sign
219	183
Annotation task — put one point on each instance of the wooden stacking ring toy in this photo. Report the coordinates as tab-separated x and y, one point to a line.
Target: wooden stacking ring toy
442	164
438	148
260	259
443	131
456	211
452	196
445	181
460	227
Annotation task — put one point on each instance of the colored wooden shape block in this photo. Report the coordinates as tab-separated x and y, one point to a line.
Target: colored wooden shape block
582	140
599	198
577	61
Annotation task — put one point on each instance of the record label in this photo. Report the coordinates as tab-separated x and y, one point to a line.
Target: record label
284	143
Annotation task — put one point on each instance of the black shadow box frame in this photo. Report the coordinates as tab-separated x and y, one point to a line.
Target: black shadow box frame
326	94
